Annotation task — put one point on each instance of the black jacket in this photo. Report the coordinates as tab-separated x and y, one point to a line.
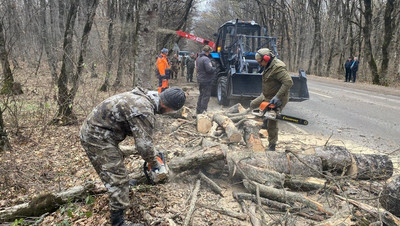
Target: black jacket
205	69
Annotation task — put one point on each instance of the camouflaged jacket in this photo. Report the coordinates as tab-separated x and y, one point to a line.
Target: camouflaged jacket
126	114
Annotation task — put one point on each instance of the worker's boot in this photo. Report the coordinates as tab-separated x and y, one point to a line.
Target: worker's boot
117	217
271	147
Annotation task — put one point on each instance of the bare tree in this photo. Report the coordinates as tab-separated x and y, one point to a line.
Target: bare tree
8	79
66	96
111	8
367	12
389	28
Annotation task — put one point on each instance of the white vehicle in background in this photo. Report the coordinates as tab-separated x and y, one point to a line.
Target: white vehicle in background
183	54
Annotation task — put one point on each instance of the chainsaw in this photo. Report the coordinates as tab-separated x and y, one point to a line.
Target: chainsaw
156	175
271	111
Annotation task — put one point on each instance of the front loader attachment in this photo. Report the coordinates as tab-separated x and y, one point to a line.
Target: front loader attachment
250	85
299	90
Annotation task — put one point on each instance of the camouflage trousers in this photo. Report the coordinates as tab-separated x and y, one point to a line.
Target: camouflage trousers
108	161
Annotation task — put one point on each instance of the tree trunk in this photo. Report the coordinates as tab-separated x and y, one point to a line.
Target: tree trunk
368	45
4	142
146	44
389	27
48	43
111	4
66	97
8	78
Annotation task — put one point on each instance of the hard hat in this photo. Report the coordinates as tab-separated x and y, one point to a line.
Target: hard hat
164	50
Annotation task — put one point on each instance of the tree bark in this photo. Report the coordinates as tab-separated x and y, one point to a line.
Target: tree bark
231	131
65	115
390	197
368	44
146	44
8	78
111	4
374	167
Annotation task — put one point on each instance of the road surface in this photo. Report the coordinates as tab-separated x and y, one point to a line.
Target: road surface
365	114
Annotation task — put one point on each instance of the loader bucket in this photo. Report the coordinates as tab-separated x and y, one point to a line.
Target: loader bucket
246	84
299	90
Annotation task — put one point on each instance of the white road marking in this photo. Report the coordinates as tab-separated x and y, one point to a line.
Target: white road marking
298	128
320	94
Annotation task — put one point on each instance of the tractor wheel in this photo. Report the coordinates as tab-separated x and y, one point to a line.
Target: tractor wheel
214	82
222	91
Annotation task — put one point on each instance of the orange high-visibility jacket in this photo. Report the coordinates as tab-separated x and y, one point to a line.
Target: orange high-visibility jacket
162	64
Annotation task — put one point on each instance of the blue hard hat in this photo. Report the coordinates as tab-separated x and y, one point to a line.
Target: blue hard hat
164	50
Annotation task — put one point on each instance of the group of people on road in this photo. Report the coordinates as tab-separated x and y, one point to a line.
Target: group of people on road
133	114
351	68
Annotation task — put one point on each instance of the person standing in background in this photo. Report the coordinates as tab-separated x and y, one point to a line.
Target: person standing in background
190	67
205	75
347	66
354	69
163	72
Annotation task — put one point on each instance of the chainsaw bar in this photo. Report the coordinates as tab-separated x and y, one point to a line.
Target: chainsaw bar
292	119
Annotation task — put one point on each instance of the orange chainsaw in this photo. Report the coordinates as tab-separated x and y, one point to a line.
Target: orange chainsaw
271	111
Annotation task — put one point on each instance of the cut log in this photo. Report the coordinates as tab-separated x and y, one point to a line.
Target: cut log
259	173
335	159
251	136
390	198
47	203
374	167
281	195
233	134
204	123
197	158
287	163
237	108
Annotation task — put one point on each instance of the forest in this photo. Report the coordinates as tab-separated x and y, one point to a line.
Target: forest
61	58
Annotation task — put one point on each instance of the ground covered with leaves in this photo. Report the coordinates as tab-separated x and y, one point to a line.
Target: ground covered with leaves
48	159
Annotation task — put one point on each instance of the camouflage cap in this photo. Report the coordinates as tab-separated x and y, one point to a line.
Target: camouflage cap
207	48
173	97
264	51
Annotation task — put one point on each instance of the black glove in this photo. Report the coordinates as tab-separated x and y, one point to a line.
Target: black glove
276	101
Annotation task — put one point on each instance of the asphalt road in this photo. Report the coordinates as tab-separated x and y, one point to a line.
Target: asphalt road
365	114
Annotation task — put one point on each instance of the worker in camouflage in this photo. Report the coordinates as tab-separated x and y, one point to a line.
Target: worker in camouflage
190	64
126	114
276	84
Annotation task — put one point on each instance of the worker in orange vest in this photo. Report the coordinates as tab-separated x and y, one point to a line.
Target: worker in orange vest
163	70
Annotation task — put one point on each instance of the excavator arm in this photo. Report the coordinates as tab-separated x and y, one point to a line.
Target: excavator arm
196	39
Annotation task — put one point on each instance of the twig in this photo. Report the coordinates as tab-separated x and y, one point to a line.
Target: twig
217	189
192	203
270	203
237	215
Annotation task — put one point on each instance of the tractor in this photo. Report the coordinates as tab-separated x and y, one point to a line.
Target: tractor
238	74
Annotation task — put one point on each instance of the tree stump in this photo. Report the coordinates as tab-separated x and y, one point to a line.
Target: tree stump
390	198
375	167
